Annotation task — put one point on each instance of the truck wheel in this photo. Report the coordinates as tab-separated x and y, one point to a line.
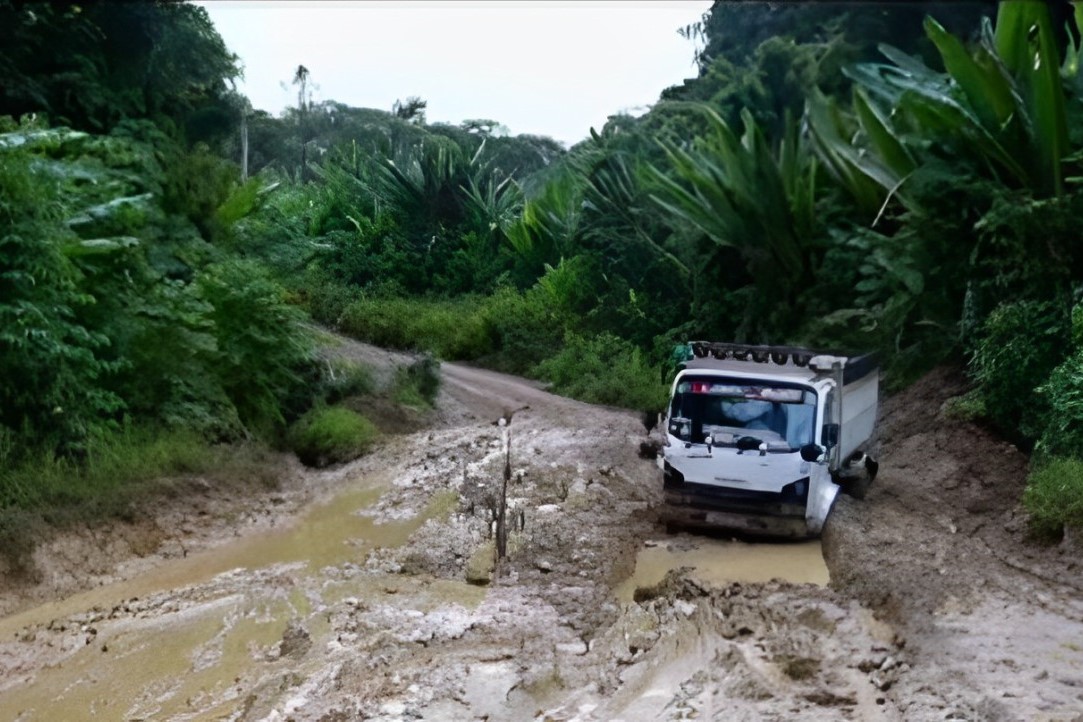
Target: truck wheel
857	474
857	487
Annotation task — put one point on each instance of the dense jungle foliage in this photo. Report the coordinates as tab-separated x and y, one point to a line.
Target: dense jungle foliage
900	177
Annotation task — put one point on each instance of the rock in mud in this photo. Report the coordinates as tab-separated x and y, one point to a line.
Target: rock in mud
296	641
480	566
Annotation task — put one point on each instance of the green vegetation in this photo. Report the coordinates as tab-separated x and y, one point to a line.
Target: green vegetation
452	329
345	379
416	385
117	308
905	180
122	471
115	461
1054	497
604	369
1061	400
331	435
1020	344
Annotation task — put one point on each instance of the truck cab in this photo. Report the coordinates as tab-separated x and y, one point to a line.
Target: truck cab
759	439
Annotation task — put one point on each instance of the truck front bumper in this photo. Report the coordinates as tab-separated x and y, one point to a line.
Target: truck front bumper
753	513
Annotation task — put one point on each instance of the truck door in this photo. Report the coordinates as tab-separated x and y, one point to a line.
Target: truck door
829	432
822	488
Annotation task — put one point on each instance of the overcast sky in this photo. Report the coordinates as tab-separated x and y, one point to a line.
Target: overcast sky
547	67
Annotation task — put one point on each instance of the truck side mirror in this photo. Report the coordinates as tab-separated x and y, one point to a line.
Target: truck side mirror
830	435
811	452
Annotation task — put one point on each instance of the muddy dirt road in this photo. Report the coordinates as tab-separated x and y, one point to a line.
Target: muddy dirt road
370	591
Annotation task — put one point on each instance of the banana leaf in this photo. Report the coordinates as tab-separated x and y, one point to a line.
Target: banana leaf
869	180
740	192
1026	44
885	143
981	78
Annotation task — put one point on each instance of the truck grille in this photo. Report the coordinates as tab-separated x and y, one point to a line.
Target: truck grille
705	496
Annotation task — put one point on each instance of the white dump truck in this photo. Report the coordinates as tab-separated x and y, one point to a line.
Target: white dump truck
760	439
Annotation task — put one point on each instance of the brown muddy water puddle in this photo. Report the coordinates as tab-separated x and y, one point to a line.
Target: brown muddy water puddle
720	561
329	533
205	629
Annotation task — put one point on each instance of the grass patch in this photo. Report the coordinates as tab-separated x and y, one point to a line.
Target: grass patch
121	471
509	330
346	378
331	435
115	465
1054	497
605	370
417	385
451	329
967	407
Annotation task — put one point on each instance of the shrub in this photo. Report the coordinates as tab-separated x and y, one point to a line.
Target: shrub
1054	496
50	363
1020	344
276	232
326	299
1062	398
263	351
417	384
369	252
605	370
346	378
331	435
449	329
524	328
197	184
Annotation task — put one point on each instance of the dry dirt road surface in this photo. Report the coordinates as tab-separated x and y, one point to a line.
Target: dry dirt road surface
372	590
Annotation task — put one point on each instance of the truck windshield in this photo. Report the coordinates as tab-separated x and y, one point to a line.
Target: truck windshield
727	409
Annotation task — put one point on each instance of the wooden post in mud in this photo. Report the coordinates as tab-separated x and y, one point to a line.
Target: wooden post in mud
502	514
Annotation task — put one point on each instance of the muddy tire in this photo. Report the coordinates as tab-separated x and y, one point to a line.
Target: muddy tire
857	474
857	487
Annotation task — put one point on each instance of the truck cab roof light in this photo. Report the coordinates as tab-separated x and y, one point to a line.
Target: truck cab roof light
854	367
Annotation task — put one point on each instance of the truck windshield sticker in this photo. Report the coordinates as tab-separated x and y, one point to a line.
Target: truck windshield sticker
783	396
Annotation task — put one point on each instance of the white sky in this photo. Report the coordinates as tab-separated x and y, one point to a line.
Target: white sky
547	67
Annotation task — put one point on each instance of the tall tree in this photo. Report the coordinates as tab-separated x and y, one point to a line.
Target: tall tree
93	65
411	110
300	79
